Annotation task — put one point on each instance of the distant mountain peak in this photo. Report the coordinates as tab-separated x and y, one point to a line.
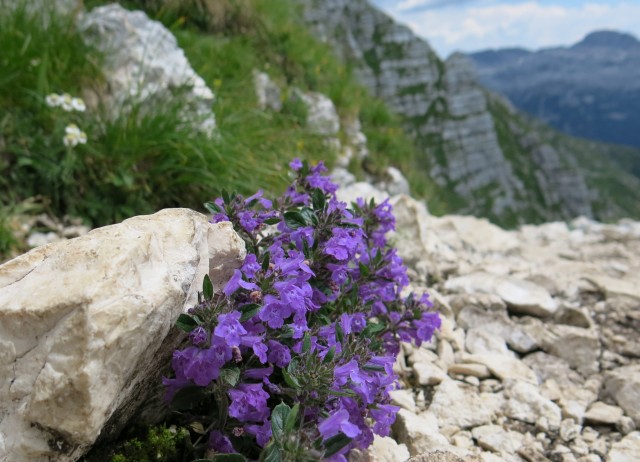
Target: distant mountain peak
608	39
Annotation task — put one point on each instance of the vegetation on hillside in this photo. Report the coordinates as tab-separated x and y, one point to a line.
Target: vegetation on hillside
144	161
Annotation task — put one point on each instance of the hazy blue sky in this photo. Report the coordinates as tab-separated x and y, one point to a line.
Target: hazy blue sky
471	25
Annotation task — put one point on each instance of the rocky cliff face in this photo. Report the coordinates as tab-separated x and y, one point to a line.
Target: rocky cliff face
489	164
591	89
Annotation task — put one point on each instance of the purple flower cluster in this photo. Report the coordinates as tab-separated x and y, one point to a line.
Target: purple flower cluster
313	318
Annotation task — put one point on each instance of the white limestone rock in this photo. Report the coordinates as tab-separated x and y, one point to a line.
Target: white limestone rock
383	449
623	385
626	450
267	92
504	367
524	402
497	439
322	117
420	433
84	325
145	64
458	404
602	413
522	297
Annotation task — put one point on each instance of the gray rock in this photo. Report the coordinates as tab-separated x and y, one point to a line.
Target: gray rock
90	345
322	117
503	367
626	450
497	439
462	406
524	402
623	385
144	64
267	92
419	433
601	413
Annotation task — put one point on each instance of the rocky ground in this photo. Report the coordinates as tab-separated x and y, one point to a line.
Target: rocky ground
538	358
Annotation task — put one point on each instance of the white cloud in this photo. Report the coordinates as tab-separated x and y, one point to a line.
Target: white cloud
528	24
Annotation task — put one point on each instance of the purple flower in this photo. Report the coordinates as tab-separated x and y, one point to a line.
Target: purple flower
384	416
343	243
261	432
236	282
229	328
426	326
199	336
278	353
220	443
249	403
266	203
336	423
295	164
248	221
250	266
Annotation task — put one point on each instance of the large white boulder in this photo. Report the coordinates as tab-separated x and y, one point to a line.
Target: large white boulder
84	326
144	63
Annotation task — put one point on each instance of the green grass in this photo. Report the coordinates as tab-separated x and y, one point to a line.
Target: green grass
146	160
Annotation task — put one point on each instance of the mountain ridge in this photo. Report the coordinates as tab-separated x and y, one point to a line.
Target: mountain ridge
590	89
479	152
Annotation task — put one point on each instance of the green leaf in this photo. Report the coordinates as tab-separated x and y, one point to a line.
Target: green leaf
272	221
207	287
249	311
186	323
225	197
330	355
271	453
339	333
335	443
372	329
278	419
212	207
319	199
265	261
294	220
373	367
309	216
346	392
306	343
230	375
291	380
364	270
290	421
188	397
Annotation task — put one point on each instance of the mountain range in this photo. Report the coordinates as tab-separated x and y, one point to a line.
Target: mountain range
487	157
590	89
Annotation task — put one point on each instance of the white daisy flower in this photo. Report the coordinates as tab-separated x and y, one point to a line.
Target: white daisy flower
78	105
53	100
66	102
74	136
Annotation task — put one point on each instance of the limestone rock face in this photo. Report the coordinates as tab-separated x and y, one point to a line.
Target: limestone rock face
322	117
85	326
459	123
144	64
623	385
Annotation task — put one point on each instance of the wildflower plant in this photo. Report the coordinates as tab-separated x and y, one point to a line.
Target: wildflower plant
293	359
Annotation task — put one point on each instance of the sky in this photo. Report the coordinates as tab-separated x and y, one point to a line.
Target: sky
473	25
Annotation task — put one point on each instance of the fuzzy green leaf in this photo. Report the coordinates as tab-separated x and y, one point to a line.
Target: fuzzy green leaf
207	287
335	443
230	375
291	380
249	311
290	422
278	418
186	323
